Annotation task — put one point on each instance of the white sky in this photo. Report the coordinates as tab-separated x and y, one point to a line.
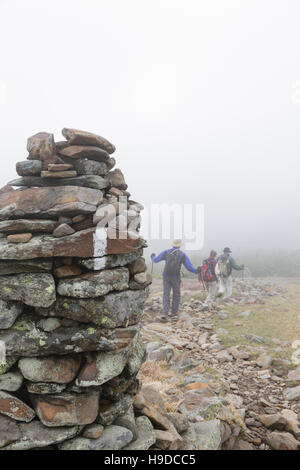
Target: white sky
201	99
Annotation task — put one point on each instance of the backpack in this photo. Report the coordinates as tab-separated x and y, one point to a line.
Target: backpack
206	271
224	266
173	263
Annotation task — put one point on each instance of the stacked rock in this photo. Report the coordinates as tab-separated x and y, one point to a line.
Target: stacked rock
73	284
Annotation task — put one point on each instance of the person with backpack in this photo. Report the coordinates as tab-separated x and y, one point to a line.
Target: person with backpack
208	276
224	267
174	258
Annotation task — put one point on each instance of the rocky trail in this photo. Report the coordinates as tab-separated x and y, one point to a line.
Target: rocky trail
221	394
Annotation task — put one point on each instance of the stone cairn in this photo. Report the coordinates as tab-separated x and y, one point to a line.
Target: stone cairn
73	284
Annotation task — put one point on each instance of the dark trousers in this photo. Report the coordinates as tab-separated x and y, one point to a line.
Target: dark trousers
171	283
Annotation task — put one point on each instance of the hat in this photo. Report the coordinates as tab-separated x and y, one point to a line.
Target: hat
177	243
227	250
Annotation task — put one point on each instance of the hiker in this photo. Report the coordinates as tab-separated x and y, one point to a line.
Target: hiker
208	277
174	259
224	267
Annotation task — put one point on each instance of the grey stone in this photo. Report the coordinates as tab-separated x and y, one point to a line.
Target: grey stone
245	314
255	338
146	435
205	435
37	290
108	413
9	312
25	266
110	261
94	284
50	369
90	167
42	388
49	324
291	394
63	230
112	310
179	421
85	181
162	354
11	381
104	367
35	434
24	338
29	167
113	438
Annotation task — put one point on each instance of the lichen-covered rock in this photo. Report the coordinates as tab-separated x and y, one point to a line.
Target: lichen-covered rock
102	368
37	290
113	310
90	167
29	167
109	412
112	438
9	312
61	370
41	388
110	261
25	266
85	181
146	435
94	284
66	409
205	435
25	338
25	436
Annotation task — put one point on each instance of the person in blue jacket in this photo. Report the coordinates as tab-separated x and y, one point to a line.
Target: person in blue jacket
174	258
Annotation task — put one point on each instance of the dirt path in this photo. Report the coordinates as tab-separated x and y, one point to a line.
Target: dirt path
242	352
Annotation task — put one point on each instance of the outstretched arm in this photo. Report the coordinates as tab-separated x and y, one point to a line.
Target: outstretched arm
188	265
160	257
236	266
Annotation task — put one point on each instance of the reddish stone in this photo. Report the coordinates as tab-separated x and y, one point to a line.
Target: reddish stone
78	137
80	151
67	409
59	174
60	167
19	238
41	145
67	271
15	408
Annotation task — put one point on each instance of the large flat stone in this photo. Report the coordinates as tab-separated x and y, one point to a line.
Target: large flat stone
94	284
78	137
85	181
84	244
25	266
82	151
67	409
26	225
25	338
49	202
60	370
37	290
111	311
25	436
112	438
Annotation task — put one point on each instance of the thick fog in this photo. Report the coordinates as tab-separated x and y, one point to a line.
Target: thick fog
201	99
